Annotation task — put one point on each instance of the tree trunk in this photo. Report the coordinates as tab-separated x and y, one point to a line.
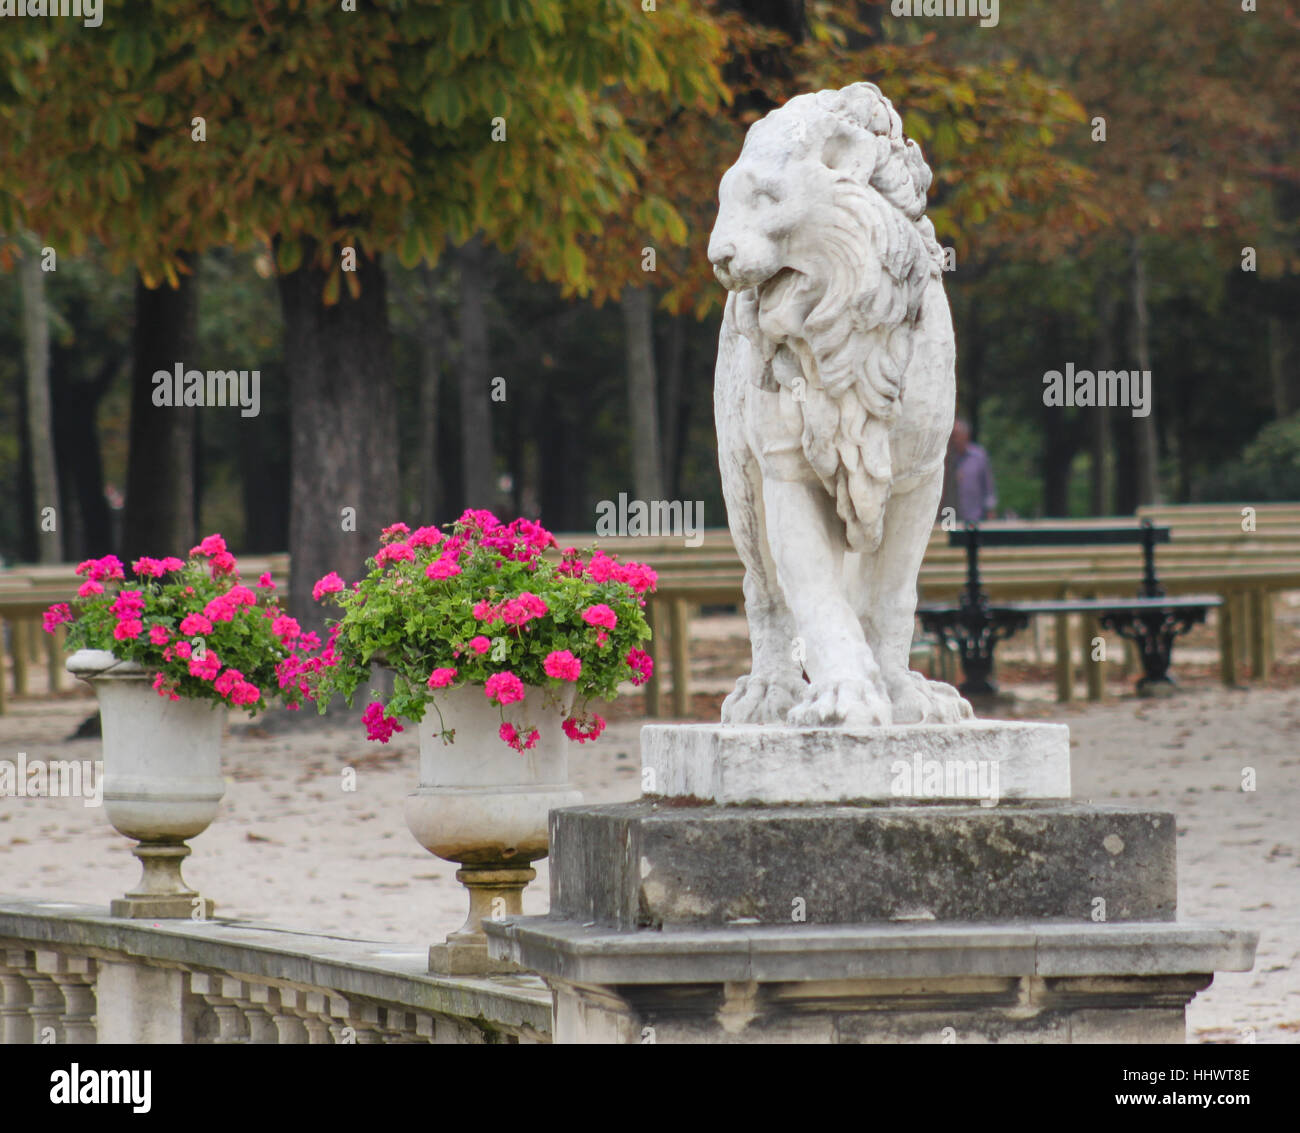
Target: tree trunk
971	366
343	426
160	515
88	530
642	393
1099	432
434	348
670	405
1148	466
1277	366
1057	452
40	419
478	457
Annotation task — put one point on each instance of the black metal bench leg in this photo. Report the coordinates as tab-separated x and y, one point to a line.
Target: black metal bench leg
977	665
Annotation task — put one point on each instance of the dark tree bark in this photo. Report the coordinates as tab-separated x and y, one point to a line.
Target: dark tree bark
642	393
1148	455
160	514
478	455
40	422
1099	440
89	529
434	348
343	426
970	366
1059	444
671	405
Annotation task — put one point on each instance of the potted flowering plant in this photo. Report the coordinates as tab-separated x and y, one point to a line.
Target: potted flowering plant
162	651
496	652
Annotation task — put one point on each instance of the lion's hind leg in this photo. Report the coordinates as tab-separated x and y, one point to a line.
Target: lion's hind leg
891	609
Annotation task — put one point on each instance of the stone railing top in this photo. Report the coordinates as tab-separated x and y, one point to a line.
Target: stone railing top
391	973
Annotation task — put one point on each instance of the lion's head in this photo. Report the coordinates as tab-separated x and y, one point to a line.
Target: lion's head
823	216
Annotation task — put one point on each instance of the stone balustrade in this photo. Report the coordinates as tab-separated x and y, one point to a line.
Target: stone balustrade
72	974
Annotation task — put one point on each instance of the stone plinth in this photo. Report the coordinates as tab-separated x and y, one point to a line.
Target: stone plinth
678	920
648	864
971	761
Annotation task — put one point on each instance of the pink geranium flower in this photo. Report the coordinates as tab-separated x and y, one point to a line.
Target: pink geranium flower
642	665
378	726
128	629
600	615
59	613
395	553
159	635
584	728
209	545
195	624
425	537
480	644
504	688
89	588
510	735
442	568
562	665
330	584
441	678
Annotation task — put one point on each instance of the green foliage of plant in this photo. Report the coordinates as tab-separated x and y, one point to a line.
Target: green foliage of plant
1269	468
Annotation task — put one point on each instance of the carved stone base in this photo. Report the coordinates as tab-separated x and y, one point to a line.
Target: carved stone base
1008	982
162	893
495	891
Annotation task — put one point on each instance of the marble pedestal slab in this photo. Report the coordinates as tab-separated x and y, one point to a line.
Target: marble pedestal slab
776	766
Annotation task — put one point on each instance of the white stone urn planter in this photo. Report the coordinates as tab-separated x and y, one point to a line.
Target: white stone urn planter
485	805
162	779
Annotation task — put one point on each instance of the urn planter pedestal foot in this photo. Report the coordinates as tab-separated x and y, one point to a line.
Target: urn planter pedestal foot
495	891
162	893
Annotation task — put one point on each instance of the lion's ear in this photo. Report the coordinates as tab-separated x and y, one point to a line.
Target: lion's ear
852	151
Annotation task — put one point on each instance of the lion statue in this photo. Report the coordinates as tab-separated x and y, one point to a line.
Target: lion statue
834	398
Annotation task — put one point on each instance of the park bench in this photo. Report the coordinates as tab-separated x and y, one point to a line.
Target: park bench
1152	620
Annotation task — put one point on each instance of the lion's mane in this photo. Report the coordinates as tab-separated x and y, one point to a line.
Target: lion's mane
859	336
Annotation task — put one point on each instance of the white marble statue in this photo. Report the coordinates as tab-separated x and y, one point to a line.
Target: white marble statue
834	397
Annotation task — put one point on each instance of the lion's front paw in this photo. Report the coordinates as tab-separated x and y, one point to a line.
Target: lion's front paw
916	700
844	703
761	700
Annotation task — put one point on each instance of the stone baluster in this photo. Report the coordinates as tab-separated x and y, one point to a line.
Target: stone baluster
46	1007
365	1023
263	1029
288	1024
74	976
224	994
309	1006
15	1013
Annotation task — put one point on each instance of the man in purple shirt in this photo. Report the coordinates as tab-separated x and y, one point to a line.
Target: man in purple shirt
969	478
